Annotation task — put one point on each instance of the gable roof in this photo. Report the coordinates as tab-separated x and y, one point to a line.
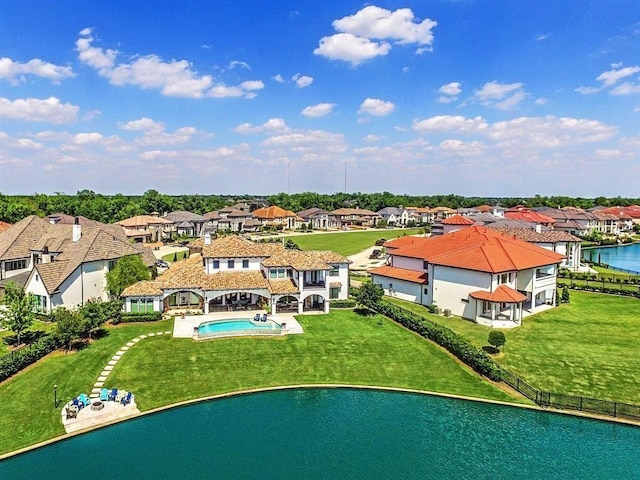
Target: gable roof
363	212
529	216
143	221
481	249
457	220
502	294
272	212
312	212
531	236
233	246
180	216
402	241
17	241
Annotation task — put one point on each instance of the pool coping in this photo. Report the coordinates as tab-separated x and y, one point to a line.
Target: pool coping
313	386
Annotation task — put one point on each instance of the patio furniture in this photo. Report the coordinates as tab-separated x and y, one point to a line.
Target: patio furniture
256	317
126	400
86	401
121	394
104	395
71	411
98	405
113	394
264	317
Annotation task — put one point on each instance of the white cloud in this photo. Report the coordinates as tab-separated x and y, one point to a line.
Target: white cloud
302	80
278	78
380	23
319	110
501	95
16	71
36	110
238	63
371	138
154	133
611	77
451	123
449	92
355	41
144	124
376	107
348	47
543	36
174	78
271	125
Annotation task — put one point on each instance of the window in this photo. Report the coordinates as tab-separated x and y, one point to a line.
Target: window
334	292
464	300
289	273
425	264
141	305
334	272
112	264
231	264
504	278
273	273
15	265
245	263
216	264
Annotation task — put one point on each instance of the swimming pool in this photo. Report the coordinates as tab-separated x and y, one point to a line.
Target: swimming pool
237	327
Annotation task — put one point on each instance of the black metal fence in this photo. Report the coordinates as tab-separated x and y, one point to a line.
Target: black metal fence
562	401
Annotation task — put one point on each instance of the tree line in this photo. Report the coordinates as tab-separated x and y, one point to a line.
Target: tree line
113	208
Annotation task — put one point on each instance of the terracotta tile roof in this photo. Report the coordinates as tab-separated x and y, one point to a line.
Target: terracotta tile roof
301	261
529	216
272	212
531	236
143	288
328	256
502	294
281	286
400	274
403	241
143	221
233	246
457	220
481	249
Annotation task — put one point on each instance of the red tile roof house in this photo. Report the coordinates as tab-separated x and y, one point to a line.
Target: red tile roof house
234	273
474	273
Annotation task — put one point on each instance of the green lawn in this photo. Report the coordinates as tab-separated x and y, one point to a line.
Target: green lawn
588	347
347	243
341	347
178	256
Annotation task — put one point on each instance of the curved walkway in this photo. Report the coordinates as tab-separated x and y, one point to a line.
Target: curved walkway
102	378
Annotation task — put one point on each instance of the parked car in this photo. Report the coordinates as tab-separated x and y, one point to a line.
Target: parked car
162	264
375	253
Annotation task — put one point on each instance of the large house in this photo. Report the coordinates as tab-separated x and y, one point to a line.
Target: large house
63	265
394	215
475	273
233	273
353	217
146	228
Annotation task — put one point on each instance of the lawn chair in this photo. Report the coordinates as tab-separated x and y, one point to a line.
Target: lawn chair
126	400
71	411
264	317
86	401
256	317
112	395
104	395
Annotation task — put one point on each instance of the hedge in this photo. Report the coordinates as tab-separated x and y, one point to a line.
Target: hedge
348	303
443	336
138	317
15	361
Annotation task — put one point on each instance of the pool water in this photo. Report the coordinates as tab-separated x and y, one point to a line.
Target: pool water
237	325
342	433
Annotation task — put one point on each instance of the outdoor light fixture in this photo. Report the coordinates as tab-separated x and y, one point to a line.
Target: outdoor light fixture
55	396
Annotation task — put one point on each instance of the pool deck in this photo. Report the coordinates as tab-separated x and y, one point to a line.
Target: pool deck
184	326
88	418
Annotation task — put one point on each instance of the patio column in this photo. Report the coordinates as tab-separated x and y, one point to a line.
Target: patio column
206	305
300	307
326	306
274	309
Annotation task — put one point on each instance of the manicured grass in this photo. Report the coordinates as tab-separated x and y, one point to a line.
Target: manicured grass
347	243
588	347
36	325
339	348
178	256
27	414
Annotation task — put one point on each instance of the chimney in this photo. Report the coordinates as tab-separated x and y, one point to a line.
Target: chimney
207	238
538	228
77	230
46	256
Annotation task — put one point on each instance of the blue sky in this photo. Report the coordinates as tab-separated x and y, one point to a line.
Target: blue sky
484	97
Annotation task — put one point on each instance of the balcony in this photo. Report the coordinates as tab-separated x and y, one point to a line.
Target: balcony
309	285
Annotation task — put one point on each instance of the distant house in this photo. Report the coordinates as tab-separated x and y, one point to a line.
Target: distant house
475	273
232	273
528	215
421	215
317	217
350	217
275	216
147	228
456	222
63	265
394	216
186	223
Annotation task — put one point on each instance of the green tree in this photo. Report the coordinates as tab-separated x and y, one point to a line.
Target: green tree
127	271
68	326
496	339
94	313
19	313
566	298
369	294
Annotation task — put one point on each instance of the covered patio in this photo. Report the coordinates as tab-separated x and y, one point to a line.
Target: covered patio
501	308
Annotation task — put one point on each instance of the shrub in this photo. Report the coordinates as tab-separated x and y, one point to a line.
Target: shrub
138	317
443	336
17	360
496	339
566	298
349	303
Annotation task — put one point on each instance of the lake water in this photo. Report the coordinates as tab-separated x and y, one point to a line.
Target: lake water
337	433
626	257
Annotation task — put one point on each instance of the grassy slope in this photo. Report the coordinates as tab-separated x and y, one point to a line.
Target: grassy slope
347	243
339	348
588	347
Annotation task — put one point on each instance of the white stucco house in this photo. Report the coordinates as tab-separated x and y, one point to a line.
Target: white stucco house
63	265
232	273
474	273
